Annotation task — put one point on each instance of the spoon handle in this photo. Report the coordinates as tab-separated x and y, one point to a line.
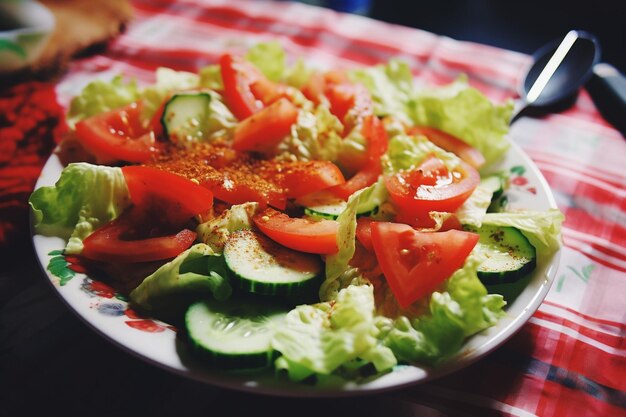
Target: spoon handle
607	88
519	105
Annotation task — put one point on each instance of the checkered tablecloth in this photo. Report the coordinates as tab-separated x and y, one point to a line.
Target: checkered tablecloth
570	358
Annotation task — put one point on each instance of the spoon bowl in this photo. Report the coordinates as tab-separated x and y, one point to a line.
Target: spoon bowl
558	71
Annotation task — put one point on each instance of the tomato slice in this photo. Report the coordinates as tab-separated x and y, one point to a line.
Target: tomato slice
177	198
431	187
115	241
266	128
238	75
301	178
415	263
376	136
364	232
299	234
452	144
345	97
117	135
235	192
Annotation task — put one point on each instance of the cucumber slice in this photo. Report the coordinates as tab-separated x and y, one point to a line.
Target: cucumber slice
510	256
184	116
262	266
233	335
330	207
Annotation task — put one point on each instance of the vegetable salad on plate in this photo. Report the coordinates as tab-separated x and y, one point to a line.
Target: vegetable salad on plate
319	223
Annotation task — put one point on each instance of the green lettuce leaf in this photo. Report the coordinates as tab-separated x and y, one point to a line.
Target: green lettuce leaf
84	198
215	232
338	263
101	96
407	152
475	207
456	108
270	58
211	77
467	114
167	82
316	135
320	338
541	228
461	310
198	270
391	86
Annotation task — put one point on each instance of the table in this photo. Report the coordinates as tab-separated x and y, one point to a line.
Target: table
569	359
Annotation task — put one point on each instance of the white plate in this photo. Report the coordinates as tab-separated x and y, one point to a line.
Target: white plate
156	342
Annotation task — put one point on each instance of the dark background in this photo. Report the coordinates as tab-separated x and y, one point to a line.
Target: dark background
520	25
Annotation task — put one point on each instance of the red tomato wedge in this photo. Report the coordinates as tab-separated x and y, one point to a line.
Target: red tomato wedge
301	178
364	178
177	198
452	144
299	234
236	192
316	86
376	136
246	89
431	187
114	242
117	135
263	130
346	96
415	263
364	232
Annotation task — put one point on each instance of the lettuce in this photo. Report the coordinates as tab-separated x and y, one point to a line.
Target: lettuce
456	108
461	310
391	86
338	263
270	58
407	152
475	207
102	96
167	82
316	135
84	198
466	113
197	270
321	338
541	228
215	232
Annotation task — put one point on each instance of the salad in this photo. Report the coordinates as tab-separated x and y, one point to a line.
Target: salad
320	223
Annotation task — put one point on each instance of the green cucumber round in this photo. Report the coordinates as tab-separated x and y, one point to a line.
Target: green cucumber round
262	266
234	334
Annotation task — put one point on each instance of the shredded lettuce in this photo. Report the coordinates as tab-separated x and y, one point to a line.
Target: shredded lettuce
475	207
215	232
407	152
337	264
320	338
197	270
391	86
466	113
101	96
84	198
167	82
456	108
316	135
270	58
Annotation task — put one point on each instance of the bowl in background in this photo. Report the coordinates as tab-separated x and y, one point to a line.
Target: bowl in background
25	27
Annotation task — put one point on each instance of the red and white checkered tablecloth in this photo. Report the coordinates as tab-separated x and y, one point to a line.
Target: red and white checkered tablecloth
570	358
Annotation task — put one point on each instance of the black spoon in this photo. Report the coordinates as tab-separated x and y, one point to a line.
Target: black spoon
558	71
